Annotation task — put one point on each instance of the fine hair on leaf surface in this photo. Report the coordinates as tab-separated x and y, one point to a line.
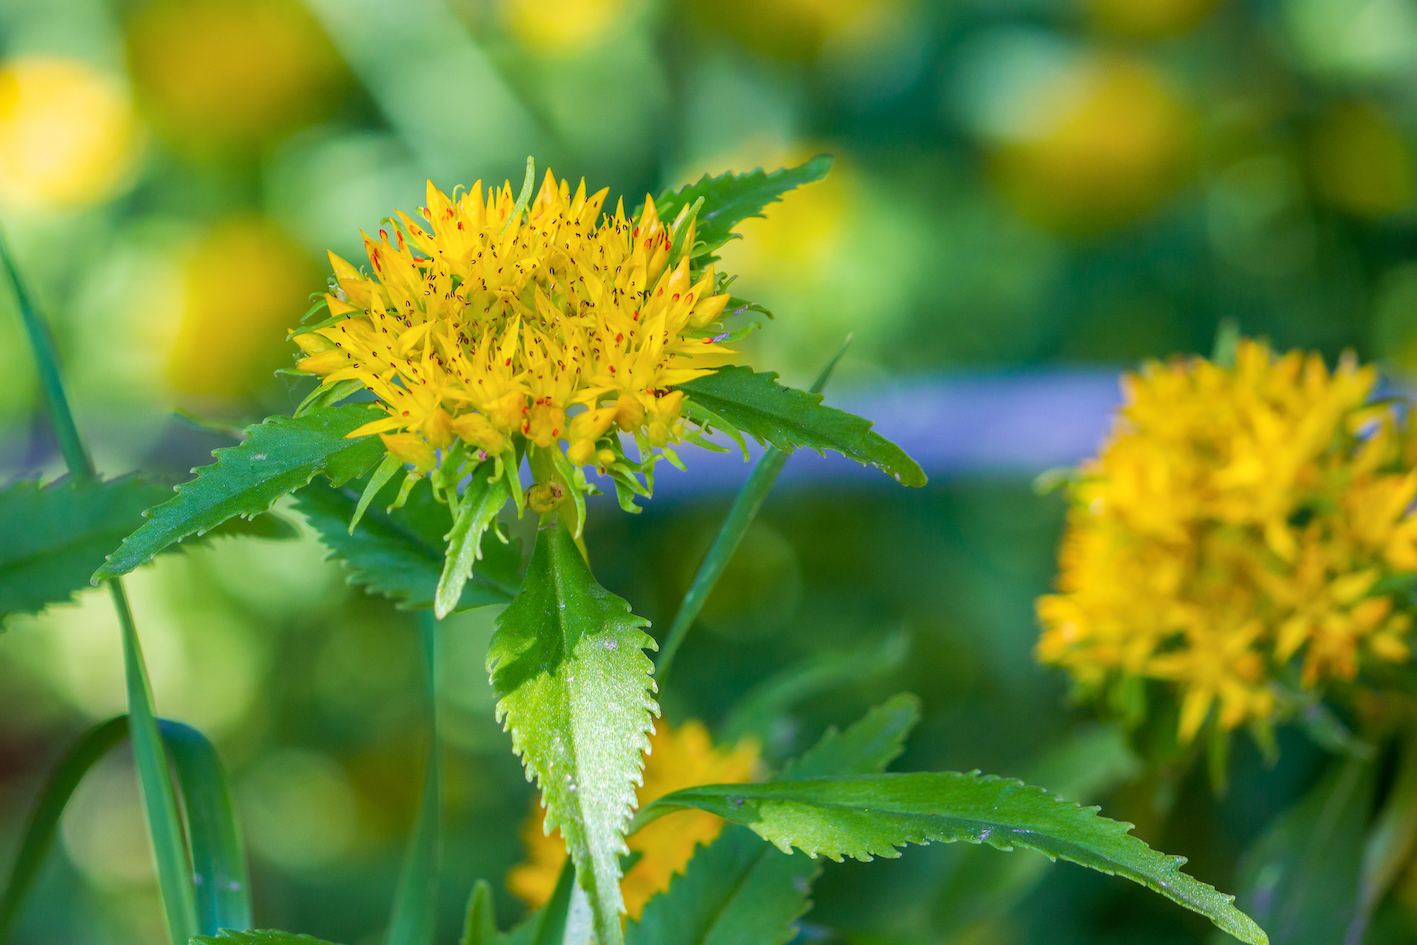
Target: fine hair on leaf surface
574	689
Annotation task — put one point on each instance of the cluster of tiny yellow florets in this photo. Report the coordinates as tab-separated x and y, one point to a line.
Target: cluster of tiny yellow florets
678	758
1240	520
486	321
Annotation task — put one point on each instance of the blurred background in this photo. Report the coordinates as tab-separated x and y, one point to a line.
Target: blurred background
1029	195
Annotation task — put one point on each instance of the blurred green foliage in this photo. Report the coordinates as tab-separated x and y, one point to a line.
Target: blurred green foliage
1017	183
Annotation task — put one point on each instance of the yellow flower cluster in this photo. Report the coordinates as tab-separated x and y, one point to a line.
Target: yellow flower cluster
485	322
1239	520
678	758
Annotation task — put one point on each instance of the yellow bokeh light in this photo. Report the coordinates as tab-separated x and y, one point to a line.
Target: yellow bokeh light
1114	141
66	133
228	73
1360	162
562	27
1150	19
244	283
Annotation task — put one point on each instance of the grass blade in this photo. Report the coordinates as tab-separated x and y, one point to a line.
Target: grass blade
218	857
745	508
174	871
44	819
416	898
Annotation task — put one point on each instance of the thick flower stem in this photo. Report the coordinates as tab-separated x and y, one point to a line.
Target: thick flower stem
174	870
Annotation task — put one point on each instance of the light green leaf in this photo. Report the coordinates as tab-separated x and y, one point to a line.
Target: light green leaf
480	924
872	815
739	889
477	510
258	937
787	418
399	554
280	455
1389	845
1301	877
56	535
568	663
731	198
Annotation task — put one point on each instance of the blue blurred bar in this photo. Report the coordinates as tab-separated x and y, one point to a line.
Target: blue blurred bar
1013	424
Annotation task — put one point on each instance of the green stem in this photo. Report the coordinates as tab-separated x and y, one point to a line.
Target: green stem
415	909
745	508
174	870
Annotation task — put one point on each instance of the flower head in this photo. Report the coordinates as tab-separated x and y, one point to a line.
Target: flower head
1242	524
678	758
490	320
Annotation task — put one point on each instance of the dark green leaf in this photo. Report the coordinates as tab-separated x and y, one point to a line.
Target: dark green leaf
44	819
56	535
787	418
739	889
731	198
1301	878
568	663
280	455
480	925
258	937
399	554
758	713
1389	845
872	815
218	857
867	747
477	510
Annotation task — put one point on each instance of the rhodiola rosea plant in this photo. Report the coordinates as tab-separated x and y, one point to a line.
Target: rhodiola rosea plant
506	354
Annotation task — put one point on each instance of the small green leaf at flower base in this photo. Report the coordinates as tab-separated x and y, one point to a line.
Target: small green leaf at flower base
787	418
55	535
731	198
399	553
476	512
873	815
575	691
279	455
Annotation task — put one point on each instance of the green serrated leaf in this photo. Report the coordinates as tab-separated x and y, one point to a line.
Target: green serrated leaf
56	535
787	418
757	714
731	198
399	554
742	888
1301	877
575	690
476	512
866	747
873	815
279	455
739	889
257	937
979	885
